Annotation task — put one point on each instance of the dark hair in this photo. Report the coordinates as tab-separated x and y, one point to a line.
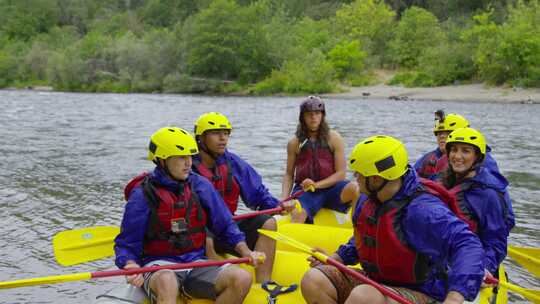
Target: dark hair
312	103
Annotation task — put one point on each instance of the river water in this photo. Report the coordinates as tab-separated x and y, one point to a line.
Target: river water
66	157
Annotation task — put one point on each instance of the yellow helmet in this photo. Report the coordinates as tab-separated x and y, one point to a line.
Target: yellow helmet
468	136
379	155
449	122
211	121
171	141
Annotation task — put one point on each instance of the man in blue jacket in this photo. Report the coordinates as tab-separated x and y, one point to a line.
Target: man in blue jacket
233	178
405	237
166	217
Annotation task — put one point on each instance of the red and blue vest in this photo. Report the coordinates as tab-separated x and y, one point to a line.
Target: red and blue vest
459	193
177	220
223	181
380	242
315	161
433	165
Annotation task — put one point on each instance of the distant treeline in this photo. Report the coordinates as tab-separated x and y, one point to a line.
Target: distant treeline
265	46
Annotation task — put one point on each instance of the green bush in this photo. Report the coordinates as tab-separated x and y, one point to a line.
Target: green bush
273	84
417	30
412	79
314	74
226	41
508	53
370	22
67	71
347	59
446	63
8	68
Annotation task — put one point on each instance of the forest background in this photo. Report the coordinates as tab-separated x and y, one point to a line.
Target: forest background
266	46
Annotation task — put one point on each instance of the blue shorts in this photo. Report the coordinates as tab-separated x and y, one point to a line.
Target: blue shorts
328	198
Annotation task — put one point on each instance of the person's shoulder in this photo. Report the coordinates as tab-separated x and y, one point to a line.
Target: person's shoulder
334	138
234	158
334	134
293	141
199	182
428	206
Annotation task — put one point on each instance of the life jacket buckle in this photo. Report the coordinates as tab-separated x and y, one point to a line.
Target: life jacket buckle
179	226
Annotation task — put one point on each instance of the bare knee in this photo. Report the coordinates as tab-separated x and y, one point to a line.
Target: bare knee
164	282
237	279
314	284
365	294
270	224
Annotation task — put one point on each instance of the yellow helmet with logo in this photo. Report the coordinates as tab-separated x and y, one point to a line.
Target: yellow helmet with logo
379	155
211	121
449	122
467	136
171	141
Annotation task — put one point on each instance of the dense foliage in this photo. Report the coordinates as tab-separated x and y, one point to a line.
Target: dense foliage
265	46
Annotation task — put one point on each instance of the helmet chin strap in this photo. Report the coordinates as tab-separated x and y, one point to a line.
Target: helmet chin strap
205	149
373	192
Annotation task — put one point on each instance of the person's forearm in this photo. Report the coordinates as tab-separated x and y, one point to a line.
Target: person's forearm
242	249
331	180
286	186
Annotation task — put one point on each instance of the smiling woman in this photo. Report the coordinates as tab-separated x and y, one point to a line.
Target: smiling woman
482	196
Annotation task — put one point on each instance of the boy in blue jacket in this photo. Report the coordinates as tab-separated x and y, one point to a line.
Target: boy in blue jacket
166	217
234	178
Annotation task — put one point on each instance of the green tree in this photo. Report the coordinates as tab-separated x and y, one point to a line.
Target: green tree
227	41
509	52
417	30
347	59
165	13
371	23
22	20
8	68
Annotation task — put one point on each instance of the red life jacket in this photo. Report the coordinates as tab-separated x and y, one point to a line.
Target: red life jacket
315	160
381	244
177	220
223	181
433	165
465	213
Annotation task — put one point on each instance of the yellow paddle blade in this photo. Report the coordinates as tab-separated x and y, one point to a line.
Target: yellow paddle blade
293	243
82	245
46	280
502	294
529	258
531	294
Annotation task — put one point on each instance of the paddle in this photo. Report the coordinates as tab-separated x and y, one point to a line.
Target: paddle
268	211
531	294
328	260
527	257
77	246
112	273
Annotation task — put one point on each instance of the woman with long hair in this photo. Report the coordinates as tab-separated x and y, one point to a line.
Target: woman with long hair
315	163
